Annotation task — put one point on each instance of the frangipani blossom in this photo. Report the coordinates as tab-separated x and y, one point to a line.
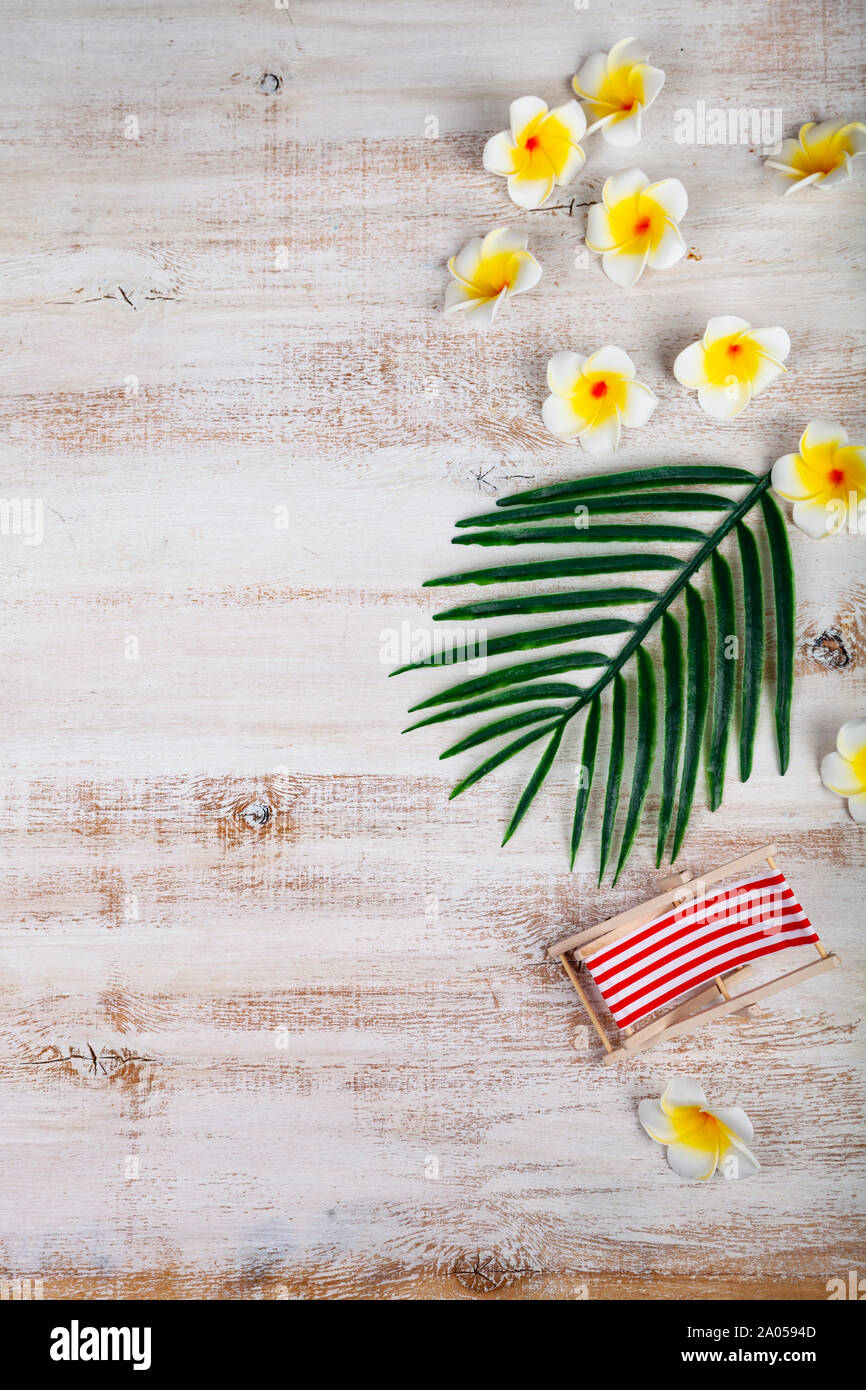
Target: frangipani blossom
635	224
821	155
616	88
700	1138
593	397
826	480
488	272
844	771
540	150
732	363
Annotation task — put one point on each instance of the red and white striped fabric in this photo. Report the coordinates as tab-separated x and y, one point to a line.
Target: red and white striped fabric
688	945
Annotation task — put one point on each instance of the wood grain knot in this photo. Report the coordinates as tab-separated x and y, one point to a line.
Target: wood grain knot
486	1271
108	1062
269	84
255	814
829	650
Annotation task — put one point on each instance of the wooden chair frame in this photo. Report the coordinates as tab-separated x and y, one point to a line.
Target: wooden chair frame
711	1001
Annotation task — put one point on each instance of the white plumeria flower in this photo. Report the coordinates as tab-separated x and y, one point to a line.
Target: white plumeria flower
821	154
539	151
636	224
488	272
616	88
700	1138
844	771
593	397
826	480
732	363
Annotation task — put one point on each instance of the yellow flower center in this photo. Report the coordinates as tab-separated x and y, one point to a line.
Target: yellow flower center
696	1128
544	150
859	765
617	92
821	156
495	274
598	396
638	223
833	472
735	356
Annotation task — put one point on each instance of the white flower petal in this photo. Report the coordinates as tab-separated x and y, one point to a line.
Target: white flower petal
561	418
602	120
529	193
609	359
599	236
766	371
851	739
733	1118
523	114
657	1124
812	135
465	265
689	368
570	114
683	1091
840	174
482	312
624	267
736	1160
651	81
783	157
670	196
624	130
820	434
574	162
857	807
693	1163
855	132
724	402
528	273
803	183
640	402
812	517
840	775
626	184
724	327
458	296
625	53
503	239
774	342
788	479
500	154
602	437
563	373
587	81
670	249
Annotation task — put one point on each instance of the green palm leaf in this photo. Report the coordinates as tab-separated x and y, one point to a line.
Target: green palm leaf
643	761
672	650
723	687
614	771
783	589
692	683
753	652
697	699
587	765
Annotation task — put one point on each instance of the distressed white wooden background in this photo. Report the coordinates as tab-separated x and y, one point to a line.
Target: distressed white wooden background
224	237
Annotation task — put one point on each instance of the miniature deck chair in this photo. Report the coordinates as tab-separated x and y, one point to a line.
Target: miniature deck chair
646	959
